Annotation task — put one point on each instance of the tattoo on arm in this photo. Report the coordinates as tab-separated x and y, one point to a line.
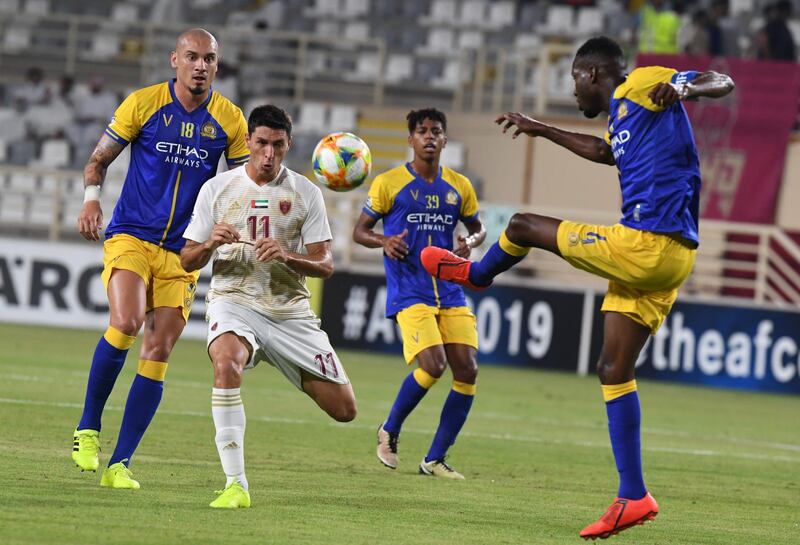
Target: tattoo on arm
107	149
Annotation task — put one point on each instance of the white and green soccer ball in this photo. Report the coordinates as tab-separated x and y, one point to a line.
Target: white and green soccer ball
341	161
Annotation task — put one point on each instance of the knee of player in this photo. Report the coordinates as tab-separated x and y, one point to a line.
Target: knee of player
128	325
605	370
518	225
228	367
346	412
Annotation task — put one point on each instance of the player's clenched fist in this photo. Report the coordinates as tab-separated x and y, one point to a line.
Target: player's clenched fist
90	220
268	249
395	247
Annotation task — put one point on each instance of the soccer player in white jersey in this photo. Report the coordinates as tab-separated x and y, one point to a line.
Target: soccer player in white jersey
267	229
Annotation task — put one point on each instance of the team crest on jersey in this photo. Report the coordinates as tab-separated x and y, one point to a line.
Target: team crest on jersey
451	197
573	239
208	130
285	205
622	111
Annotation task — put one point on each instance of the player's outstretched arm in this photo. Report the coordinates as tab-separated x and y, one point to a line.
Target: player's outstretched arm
195	255
317	262
705	84
90	218
394	246
585	145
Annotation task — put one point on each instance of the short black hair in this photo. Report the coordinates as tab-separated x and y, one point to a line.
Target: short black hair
269	116
416	117
603	48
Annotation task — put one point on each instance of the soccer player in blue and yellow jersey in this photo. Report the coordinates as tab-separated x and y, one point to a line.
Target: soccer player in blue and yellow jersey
177	131
420	204
645	257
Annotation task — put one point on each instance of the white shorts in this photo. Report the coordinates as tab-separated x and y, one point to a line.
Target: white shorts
289	345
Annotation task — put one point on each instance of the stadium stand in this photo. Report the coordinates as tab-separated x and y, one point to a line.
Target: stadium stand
330	63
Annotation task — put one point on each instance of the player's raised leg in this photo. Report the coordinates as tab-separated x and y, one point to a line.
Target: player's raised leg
622	342
524	231
126	299
229	354
463	362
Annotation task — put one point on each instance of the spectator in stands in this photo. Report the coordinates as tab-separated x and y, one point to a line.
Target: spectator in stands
724	31
34	91
227	83
93	110
775	40
658	27
65	92
695	37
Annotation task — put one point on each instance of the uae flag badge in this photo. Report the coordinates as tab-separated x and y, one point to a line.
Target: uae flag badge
259	203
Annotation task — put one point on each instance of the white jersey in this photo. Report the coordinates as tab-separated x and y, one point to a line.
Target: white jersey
289	209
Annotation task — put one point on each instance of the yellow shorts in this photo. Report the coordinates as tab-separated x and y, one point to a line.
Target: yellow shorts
167	284
644	269
424	326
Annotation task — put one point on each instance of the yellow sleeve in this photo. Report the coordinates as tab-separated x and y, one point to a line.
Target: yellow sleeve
642	80
126	123
237	152
469	201
378	201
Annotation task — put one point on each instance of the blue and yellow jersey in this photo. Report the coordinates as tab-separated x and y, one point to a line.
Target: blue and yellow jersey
655	152
173	153
430	212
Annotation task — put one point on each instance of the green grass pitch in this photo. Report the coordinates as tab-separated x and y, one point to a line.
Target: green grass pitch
722	464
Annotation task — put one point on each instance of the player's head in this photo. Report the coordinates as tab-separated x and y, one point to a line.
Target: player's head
427	133
269	136
598	67
195	60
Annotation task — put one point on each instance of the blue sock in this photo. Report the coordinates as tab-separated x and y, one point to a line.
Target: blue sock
107	362
624	422
143	400
413	389
454	414
502	255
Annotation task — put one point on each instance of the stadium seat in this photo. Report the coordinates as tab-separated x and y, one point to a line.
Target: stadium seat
440	41
453	75
322	8
342	117
14	128
36	7
442	11
453	155
470	39
55	153
399	68
327	27
3	151
105	45
367	68
355	8
20	182
312	118
42	210
501	15
473	13
125	13
13	207
9	6
558	21
590	21
17	37
356	30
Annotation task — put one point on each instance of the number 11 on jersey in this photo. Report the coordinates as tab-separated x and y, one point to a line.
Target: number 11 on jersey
253	221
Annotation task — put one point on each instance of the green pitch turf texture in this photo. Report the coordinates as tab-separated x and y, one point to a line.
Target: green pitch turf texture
722	464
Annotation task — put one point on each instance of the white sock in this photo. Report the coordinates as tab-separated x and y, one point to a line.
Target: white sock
228	412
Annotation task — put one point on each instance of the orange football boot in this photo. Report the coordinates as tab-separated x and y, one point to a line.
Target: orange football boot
446	265
621	515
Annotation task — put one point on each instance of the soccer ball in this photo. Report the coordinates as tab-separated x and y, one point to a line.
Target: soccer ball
341	161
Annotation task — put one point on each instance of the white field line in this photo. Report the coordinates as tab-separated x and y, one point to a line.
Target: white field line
477	415
494	436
